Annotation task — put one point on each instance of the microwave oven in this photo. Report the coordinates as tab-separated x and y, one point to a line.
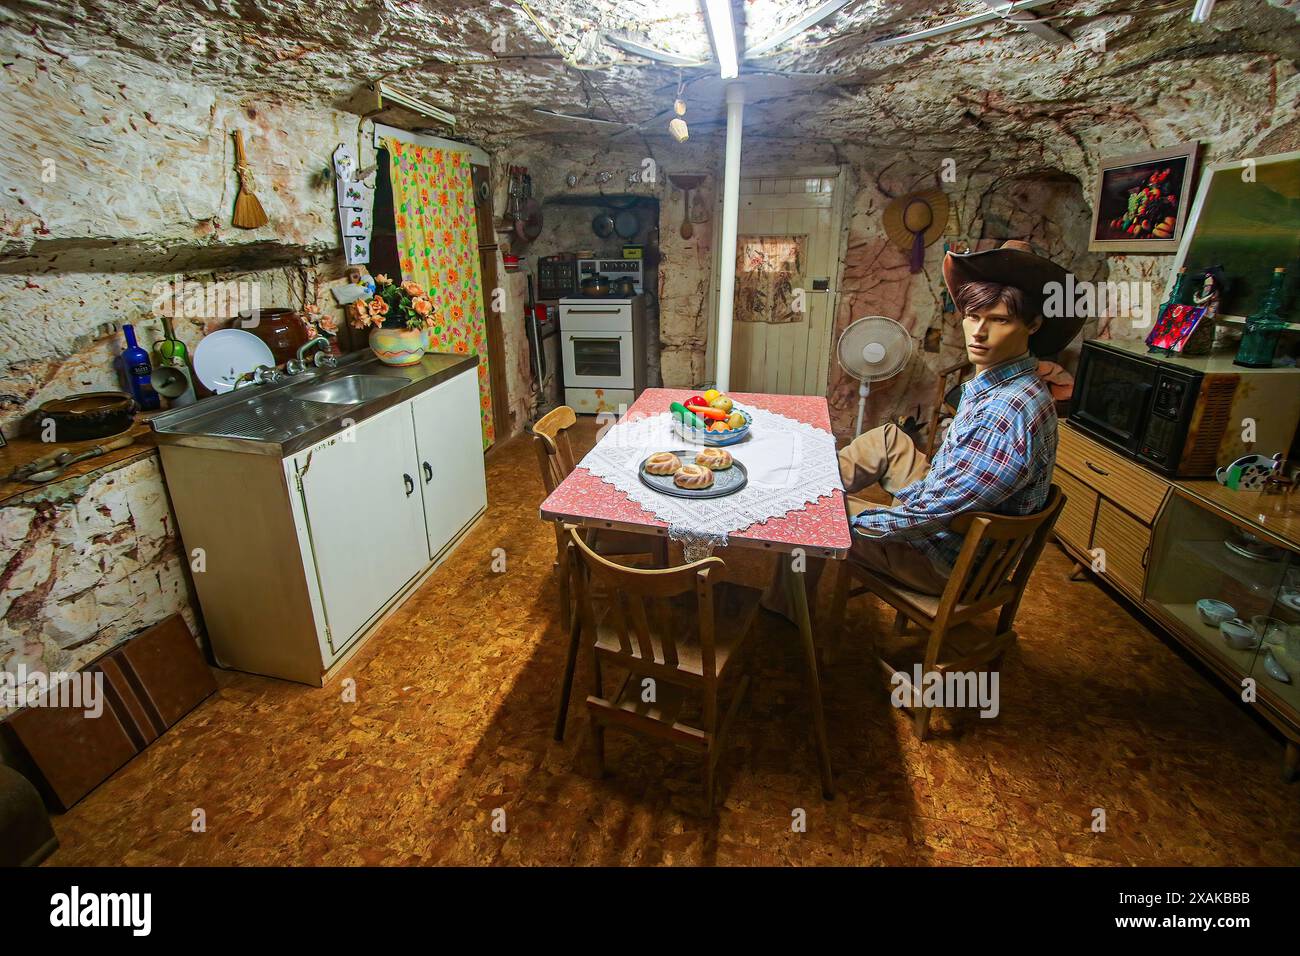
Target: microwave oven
1183	416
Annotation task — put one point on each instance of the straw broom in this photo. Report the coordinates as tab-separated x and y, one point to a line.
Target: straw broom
249	213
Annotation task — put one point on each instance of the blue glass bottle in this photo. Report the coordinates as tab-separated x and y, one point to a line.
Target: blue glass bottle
135	363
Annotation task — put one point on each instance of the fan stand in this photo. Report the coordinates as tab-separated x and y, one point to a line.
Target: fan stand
864	390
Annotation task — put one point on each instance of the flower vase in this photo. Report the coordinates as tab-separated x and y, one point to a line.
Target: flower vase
400	346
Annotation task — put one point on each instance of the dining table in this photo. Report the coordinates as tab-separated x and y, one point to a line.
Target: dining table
819	528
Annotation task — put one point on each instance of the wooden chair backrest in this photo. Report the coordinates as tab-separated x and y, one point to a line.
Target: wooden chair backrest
998	555
638	597
554	450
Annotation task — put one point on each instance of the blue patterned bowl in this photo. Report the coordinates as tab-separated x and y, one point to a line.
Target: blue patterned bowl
716	439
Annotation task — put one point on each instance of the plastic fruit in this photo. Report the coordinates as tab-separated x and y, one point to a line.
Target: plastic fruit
711	394
722	403
736	420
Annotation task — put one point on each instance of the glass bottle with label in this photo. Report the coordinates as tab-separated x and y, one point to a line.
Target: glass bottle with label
136	367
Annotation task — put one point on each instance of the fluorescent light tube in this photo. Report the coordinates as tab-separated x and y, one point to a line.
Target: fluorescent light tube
1202	11
723	32
652	53
413	103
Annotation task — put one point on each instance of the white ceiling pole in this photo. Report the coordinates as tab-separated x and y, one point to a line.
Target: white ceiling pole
727	250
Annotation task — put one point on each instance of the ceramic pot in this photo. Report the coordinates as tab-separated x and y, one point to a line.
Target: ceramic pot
398	346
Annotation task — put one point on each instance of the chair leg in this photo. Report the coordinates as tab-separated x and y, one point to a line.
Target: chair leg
570	664
921	722
708	780
597	728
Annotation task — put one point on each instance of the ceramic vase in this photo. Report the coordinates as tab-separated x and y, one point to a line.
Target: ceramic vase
398	346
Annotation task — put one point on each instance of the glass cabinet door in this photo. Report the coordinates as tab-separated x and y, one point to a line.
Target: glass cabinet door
1198	556
1277	665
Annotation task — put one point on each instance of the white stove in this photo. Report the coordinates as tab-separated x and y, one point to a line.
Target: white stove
603	346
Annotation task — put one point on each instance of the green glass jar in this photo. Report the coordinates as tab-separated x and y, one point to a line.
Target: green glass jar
1263	328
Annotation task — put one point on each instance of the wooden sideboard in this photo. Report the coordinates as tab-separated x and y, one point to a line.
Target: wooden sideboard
1161	543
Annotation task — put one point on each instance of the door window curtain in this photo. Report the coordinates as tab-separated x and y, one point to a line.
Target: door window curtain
437	247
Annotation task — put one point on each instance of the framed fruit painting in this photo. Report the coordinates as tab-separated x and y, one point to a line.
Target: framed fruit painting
1140	201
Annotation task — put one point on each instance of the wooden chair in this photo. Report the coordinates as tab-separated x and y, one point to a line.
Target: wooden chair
678	632
992	569
555	455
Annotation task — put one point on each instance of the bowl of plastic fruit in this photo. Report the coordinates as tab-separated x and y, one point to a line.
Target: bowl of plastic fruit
710	418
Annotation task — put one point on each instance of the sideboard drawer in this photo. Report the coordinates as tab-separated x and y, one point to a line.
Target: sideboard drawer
1125	542
1074	526
1128	484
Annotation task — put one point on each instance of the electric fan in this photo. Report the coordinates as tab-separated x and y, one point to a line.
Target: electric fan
872	349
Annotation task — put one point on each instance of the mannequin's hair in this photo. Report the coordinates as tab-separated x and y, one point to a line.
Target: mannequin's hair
974	296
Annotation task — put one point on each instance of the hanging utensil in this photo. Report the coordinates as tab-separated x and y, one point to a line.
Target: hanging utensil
249	213
627	224
603	225
687	229
528	224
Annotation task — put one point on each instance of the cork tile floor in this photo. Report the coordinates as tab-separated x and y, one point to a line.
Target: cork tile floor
452	721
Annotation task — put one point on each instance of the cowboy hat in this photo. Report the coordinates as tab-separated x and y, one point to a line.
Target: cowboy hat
1014	263
915	221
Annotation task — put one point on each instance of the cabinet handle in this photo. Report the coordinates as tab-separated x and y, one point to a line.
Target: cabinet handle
1096	469
1146	556
428	472
410	485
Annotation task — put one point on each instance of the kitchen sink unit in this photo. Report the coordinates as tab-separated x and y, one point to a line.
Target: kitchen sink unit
310	509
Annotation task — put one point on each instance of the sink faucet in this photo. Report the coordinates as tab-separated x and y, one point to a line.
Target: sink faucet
321	359
262	375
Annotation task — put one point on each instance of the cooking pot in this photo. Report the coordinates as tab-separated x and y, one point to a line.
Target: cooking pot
87	415
595	285
603	225
624	285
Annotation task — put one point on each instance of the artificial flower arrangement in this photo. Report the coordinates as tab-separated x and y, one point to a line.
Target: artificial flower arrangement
398	317
318	323
394	306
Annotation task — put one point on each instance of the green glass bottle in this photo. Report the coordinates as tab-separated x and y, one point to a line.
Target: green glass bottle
1259	344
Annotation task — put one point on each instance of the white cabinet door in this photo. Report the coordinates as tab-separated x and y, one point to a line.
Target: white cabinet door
365	518
449	440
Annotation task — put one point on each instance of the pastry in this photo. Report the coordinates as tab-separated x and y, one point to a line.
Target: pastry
715	459
693	476
662	463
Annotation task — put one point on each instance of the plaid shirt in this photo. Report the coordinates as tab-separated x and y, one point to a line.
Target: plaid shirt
996	456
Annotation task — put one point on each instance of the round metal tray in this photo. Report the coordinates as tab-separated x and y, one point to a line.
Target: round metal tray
725	482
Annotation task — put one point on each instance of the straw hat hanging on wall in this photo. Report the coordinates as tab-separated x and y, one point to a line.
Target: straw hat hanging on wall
915	221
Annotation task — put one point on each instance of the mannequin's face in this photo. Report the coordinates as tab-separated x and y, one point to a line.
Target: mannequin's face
994	335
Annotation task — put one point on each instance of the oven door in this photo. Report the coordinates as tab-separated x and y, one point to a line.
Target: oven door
597	358
1113	397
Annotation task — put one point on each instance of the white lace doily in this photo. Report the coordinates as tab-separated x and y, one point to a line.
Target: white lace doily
790	464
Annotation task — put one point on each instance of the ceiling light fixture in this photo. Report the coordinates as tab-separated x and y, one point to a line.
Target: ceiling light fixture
652	53
389	95
974	19
1202	10
722	31
812	18
582	119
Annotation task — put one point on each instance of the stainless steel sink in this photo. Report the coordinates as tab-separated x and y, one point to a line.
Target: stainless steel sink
351	390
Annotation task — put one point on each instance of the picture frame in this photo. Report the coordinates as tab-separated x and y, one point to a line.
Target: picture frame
1126	220
1248	245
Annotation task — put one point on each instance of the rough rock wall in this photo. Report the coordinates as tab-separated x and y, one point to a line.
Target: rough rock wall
86	563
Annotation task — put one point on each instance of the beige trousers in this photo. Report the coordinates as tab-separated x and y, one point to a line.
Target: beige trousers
887	457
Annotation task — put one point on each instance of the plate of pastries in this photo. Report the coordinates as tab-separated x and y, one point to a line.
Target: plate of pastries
702	473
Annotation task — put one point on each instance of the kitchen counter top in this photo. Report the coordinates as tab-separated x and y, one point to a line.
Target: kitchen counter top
283	418
22	450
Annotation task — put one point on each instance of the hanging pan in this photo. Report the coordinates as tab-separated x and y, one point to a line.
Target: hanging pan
627	224
603	225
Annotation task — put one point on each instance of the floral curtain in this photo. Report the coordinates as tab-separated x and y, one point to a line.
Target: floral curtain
768	270
437	245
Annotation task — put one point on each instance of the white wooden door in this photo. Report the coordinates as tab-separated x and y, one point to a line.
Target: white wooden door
365	518
789	358
450	448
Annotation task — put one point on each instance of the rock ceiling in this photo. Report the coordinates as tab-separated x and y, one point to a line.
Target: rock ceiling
491	63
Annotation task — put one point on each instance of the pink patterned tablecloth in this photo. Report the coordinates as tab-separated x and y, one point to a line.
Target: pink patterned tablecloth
821	527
